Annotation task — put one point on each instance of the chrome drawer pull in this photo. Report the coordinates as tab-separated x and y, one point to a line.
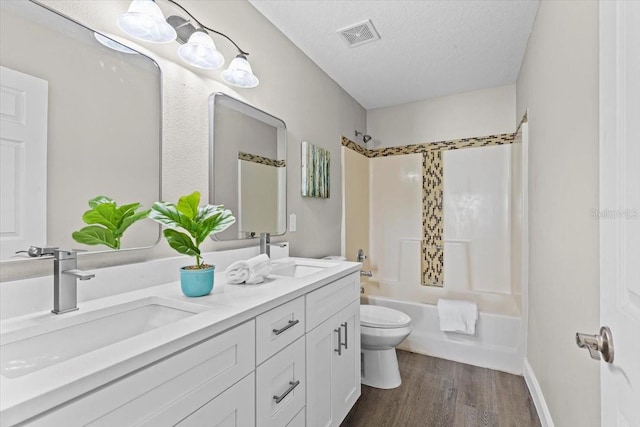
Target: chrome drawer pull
346	339
291	324
339	349
292	385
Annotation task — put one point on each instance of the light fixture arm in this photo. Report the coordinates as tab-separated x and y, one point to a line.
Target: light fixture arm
201	25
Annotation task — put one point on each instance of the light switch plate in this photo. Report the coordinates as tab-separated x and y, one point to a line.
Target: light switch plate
292	222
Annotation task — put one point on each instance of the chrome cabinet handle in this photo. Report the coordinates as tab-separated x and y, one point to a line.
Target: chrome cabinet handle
339	349
291	324
346	339
292	385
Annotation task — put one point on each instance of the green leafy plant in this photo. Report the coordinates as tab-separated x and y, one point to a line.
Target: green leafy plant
199	222
107	222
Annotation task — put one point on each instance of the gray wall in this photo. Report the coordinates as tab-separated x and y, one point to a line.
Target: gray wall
291	87
558	83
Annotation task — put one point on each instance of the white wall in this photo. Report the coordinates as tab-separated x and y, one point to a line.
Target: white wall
479	113
558	83
292	88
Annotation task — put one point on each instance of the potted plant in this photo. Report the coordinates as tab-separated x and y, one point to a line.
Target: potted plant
107	222
198	222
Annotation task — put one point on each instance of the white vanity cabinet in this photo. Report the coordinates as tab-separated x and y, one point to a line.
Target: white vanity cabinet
333	352
290	365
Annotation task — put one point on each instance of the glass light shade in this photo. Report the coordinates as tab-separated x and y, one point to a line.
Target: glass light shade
239	73
201	52
144	20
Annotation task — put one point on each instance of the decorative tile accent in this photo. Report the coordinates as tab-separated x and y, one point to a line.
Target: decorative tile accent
454	144
262	160
432	249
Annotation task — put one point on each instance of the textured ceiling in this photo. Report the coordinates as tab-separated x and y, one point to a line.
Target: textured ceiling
427	48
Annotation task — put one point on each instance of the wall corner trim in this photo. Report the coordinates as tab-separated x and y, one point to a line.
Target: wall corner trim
536	394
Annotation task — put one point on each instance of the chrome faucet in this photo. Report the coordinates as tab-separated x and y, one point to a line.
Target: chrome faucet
65	273
265	244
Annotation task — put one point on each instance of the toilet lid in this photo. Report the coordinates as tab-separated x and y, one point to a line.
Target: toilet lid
382	317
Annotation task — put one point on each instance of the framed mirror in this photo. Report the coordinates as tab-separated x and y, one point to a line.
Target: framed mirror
248	171
81	117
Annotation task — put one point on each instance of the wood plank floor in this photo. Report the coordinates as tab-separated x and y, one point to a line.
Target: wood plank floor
441	393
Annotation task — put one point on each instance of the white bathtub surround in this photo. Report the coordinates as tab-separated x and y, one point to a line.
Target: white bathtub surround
497	344
457	316
21	297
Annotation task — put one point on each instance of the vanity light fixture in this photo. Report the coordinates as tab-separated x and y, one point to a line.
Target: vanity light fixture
144	20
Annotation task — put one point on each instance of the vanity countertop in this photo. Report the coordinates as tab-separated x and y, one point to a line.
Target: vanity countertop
228	305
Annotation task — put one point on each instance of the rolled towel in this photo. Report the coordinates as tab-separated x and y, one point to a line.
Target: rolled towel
259	268
238	272
253	270
458	316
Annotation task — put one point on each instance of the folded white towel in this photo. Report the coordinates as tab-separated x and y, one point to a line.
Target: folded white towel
253	270
458	316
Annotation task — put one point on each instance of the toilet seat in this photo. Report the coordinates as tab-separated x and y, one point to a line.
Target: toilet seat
376	316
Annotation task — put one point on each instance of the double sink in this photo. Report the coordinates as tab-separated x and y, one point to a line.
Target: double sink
37	347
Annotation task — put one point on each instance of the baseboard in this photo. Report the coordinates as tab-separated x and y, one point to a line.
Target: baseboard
536	395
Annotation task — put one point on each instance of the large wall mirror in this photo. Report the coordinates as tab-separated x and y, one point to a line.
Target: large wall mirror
248	167
80	119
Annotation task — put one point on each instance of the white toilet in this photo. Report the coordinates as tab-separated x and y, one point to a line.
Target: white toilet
381	330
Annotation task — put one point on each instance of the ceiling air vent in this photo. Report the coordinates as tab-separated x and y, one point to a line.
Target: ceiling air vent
361	33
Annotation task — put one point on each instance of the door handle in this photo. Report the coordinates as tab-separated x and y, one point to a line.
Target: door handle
339	349
599	344
290	324
292	385
346	339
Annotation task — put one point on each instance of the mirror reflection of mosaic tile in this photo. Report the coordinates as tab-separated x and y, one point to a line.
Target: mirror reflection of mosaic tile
261	160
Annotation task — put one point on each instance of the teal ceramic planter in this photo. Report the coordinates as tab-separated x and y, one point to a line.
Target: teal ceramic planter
197	283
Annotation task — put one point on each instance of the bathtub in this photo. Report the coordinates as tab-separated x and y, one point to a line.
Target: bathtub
499	342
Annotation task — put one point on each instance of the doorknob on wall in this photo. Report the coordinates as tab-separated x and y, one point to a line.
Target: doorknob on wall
600	344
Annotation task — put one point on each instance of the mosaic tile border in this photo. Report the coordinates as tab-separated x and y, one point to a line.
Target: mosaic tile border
261	160
454	144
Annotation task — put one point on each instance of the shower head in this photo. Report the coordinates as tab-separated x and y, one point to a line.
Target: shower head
365	138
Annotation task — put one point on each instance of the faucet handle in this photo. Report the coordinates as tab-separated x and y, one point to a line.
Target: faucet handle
36	251
61	254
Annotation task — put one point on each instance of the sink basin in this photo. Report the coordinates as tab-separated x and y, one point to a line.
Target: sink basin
297	268
31	349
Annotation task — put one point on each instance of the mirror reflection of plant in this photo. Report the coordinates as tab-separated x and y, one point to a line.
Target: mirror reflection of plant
198	221
107	222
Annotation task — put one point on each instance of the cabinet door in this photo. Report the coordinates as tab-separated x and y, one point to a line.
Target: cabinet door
322	344
346	367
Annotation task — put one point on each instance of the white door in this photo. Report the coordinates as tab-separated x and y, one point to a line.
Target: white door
619	212
23	161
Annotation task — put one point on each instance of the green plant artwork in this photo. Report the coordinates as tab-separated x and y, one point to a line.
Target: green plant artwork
316	163
199	222
107	222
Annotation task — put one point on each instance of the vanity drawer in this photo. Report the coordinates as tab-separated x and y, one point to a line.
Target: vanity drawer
233	408
282	376
328	300
202	372
278	328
